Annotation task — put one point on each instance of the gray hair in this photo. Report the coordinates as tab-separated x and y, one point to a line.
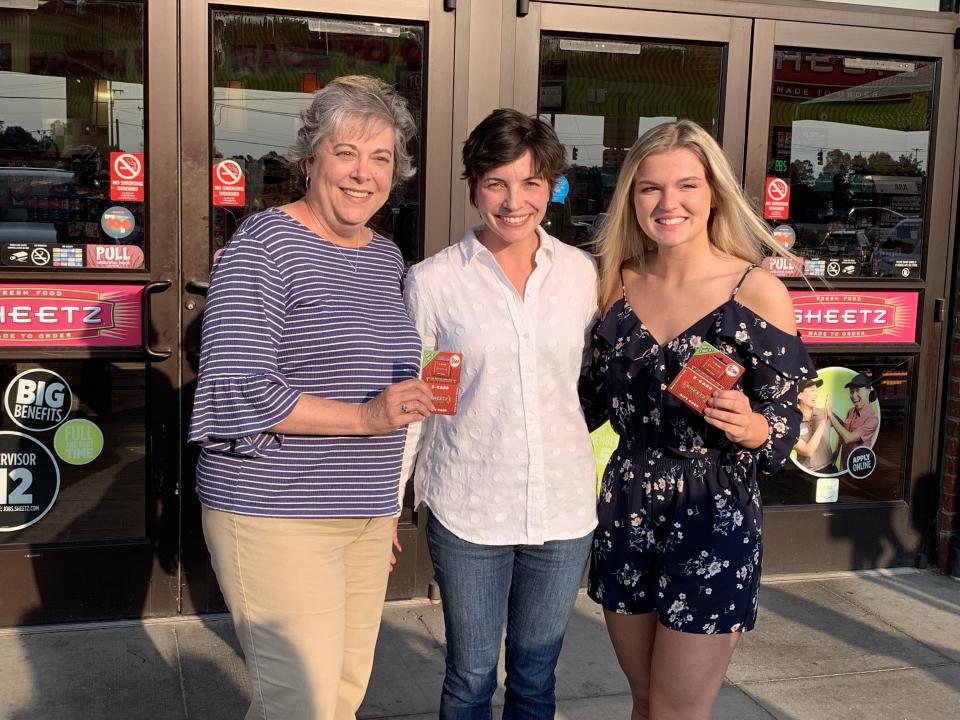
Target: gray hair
363	102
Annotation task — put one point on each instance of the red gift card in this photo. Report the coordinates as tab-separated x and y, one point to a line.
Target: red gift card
708	371
441	372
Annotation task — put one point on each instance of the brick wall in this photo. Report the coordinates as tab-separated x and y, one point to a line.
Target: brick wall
947	516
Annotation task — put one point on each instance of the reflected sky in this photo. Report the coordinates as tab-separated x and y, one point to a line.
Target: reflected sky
37	102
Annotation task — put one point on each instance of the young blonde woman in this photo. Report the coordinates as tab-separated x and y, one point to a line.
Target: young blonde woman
676	555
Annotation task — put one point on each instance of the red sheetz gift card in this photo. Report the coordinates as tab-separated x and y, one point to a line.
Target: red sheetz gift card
441	372
708	371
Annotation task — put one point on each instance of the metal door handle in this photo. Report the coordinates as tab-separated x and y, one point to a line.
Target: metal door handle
148	290
197	287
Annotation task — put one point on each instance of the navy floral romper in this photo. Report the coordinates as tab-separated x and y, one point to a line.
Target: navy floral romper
679	509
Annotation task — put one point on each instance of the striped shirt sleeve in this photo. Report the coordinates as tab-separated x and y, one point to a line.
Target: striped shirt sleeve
241	393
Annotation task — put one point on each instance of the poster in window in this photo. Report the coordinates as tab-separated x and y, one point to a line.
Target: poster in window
840	422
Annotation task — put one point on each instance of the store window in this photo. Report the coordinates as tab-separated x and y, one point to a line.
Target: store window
265	69
600	95
72	176
848	162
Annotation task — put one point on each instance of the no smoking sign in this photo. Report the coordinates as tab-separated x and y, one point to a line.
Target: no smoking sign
776	199
229	185
126	176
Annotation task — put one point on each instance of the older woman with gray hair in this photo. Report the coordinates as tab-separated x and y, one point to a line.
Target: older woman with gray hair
308	379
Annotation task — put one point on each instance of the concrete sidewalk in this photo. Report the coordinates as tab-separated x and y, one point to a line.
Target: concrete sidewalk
884	646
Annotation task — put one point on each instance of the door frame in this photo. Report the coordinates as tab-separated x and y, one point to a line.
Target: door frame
868	521
413	572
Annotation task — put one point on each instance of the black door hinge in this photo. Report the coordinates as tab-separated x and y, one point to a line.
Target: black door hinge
523	8
449	5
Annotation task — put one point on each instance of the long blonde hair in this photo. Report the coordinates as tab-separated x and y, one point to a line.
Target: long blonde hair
734	227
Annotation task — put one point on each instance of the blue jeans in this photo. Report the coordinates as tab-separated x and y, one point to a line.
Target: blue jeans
532	588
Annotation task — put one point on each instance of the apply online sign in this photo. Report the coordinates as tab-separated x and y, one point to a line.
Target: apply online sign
70	315
873	316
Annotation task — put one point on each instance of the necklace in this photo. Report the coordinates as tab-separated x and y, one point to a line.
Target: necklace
356	264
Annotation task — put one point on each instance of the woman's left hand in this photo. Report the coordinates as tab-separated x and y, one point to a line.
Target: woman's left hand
396	544
730	411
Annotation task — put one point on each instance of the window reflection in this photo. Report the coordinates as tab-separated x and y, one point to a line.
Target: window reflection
851	136
71	79
600	94
266	68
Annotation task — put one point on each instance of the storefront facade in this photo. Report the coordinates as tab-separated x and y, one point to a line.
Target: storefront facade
136	134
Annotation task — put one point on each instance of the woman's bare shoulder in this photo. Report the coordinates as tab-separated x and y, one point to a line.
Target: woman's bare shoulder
768	297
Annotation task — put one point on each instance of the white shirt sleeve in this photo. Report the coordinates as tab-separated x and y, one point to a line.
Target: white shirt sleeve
421	313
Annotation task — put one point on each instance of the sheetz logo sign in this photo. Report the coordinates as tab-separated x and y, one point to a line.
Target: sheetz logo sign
70	315
852	317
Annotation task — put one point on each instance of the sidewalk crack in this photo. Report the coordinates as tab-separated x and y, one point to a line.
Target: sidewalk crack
843	674
426	626
183	685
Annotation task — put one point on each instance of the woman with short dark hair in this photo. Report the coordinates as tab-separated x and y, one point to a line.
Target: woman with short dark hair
308	379
510	478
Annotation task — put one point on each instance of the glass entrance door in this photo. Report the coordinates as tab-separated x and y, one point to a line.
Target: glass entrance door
88	330
606	76
239	119
850	156
836	132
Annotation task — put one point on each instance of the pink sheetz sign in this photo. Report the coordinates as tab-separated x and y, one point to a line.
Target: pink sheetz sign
70	315
873	316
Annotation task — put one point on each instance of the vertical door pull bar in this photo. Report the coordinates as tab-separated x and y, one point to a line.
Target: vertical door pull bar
523	8
148	290
939	308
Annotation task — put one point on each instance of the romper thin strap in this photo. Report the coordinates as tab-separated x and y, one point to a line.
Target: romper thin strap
623	287
743	277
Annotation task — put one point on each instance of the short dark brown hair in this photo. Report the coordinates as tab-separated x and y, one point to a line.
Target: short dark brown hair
502	137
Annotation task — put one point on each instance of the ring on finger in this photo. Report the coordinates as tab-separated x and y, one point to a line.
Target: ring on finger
403	408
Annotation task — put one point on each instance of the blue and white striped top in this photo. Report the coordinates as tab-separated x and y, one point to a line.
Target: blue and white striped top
288	313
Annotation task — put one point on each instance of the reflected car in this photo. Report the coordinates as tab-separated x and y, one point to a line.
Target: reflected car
900	252
873	216
24	188
847	243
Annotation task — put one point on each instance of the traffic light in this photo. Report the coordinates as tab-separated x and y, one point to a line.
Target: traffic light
820	156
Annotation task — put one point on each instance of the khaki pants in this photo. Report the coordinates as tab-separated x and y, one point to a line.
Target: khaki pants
306	598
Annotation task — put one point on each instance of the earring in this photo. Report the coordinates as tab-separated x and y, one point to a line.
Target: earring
307	181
